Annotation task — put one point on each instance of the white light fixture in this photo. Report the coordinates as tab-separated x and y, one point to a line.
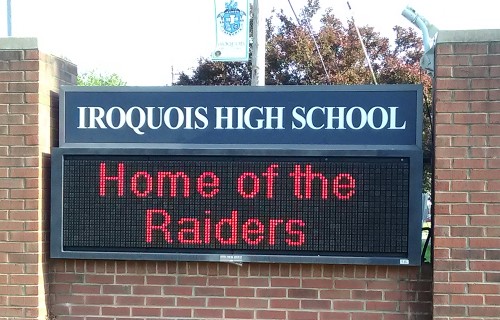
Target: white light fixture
429	33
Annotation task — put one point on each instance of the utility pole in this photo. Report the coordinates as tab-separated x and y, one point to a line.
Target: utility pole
9	18
258	45
172	70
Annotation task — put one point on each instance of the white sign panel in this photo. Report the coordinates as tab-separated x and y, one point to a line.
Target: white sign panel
231	30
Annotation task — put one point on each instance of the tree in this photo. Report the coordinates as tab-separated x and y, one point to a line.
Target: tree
218	73
92	78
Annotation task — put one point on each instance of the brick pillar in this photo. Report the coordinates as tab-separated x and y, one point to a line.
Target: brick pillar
467	202
29	82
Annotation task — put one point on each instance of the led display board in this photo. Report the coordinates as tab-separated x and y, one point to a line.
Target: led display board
240	203
288	208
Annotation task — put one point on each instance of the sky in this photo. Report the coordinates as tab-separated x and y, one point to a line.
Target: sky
148	42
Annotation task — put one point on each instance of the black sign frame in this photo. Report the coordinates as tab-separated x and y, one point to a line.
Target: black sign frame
414	223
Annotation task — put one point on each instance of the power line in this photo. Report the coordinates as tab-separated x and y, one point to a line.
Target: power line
362	45
315	43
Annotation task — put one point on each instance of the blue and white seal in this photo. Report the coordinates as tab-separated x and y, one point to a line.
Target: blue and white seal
231	20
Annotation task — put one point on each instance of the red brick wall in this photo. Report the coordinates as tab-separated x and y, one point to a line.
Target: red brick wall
19	209
467	201
26	81
169	290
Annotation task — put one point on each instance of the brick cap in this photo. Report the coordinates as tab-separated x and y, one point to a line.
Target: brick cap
12	43
484	35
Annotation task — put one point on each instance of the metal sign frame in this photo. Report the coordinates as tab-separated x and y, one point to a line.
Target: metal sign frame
261	146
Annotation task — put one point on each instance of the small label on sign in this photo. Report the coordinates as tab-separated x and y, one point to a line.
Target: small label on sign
404	261
230	258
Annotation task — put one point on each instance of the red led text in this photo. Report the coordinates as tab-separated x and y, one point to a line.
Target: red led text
248	183
342	186
144	184
226	231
